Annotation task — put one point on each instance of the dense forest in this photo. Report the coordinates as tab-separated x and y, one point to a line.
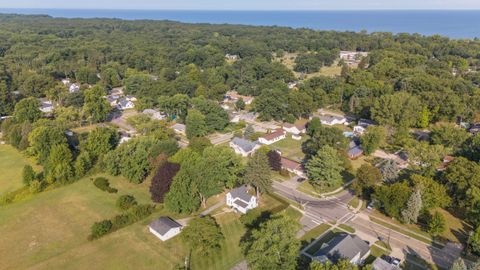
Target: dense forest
403	74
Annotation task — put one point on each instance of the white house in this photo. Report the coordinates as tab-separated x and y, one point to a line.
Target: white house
362	126
74	87
292	85
154	114
66	82
46	106
165	228
179	128
273	137
247	117
124	104
294	129
231	56
331	120
241	200
352	56
130	98
243	147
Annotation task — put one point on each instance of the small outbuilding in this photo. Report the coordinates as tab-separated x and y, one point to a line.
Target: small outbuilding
165	228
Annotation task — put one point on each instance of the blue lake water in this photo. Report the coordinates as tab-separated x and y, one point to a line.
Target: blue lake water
454	24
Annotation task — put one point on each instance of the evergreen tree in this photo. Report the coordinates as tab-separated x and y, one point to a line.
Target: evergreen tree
28	175
412	211
249	132
390	171
258	172
436	225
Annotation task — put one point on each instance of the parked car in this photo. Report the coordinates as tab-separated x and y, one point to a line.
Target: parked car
396	261
301	179
370	206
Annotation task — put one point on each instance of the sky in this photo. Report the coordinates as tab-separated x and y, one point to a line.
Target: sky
244	4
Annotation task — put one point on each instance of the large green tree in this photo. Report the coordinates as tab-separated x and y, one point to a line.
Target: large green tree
203	235
325	168
27	110
258	172
59	164
273	245
95	107
195	124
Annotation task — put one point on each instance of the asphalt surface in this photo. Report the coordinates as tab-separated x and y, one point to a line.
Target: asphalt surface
335	208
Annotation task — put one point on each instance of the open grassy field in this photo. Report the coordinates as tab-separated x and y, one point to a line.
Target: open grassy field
290	148
288	60
50	230
11	165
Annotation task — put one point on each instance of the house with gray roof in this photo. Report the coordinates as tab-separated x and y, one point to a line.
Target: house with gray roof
124	104
331	120
179	128
165	228
243	147
381	264
239	199
343	246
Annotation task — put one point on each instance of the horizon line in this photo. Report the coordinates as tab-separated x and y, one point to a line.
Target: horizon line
240	10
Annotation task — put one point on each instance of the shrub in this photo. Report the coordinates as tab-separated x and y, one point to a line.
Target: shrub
141	211
35	186
124	202
28	175
101	228
120	221
103	184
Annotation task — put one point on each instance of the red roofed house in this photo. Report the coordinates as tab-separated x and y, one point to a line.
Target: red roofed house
273	137
292	167
446	161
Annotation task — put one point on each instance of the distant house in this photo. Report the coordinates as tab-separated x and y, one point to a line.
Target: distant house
232	56
124	137
331	120
130	98
165	228
273	137
362	126
243	147
446	160
154	114
233	96
381	264
247	117
294	129
292	167
354	150
179	128
351	57
241	200
343	246
124	104
112	100
475	128
292	85
66	82
117	91
74	87
46	106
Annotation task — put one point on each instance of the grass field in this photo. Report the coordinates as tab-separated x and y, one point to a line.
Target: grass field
291	148
288	60
11	165
50	230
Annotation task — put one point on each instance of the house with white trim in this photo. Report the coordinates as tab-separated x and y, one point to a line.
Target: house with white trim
292	167
46	106
74	87
165	228
239	199
344	246
273	137
294	129
180	129
331	120
243	147
124	104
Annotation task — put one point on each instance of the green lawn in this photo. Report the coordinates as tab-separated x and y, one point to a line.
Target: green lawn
313	234
325	239
354	202
11	165
346	228
291	148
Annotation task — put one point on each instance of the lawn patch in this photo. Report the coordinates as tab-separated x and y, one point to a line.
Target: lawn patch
313	234
11	167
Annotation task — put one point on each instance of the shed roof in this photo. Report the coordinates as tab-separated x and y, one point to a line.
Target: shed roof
246	145
343	246
164	224
241	192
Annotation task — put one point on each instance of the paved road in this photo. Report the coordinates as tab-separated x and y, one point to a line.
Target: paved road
317	211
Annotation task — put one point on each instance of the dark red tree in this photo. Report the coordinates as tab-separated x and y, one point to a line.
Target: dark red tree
275	160
162	180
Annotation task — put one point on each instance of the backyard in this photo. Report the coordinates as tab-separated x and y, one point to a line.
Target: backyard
290	148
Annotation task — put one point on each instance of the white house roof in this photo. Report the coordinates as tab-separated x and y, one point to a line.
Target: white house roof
179	127
343	246
164	224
